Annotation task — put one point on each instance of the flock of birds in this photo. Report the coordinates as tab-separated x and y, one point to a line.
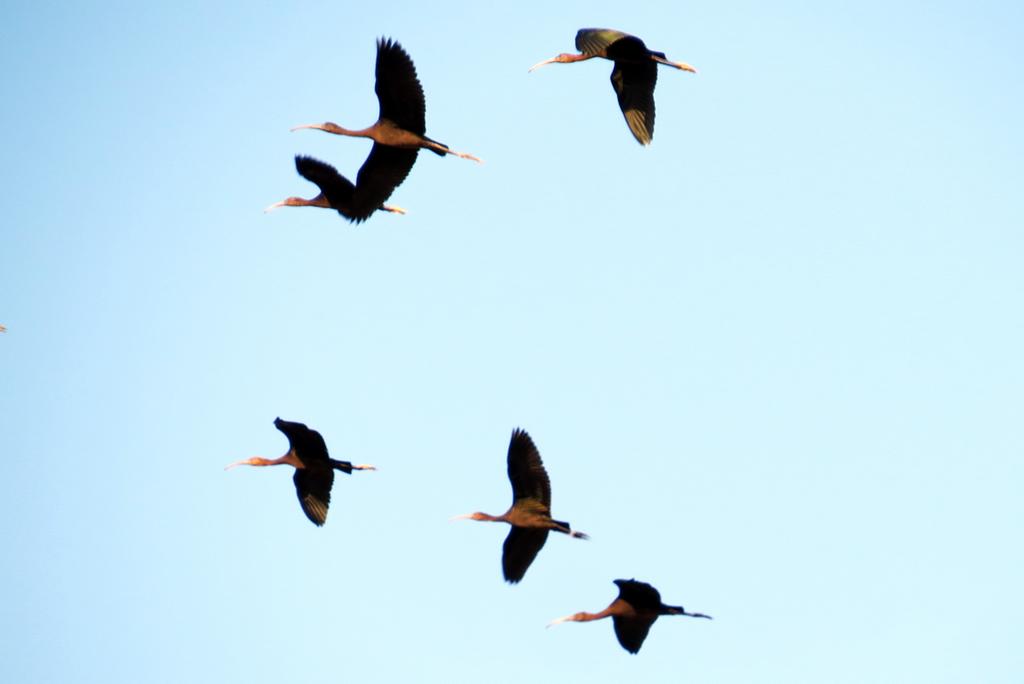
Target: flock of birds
400	130
398	136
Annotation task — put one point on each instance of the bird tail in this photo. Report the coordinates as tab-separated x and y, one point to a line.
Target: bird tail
434	149
343	466
678	610
566	528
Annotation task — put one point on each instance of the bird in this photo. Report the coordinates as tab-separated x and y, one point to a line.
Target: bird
381	173
634	75
3	329
401	123
633	612
314	469
530	513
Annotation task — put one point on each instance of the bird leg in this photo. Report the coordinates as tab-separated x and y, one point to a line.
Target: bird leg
364	466
683	66
393	209
564	528
444	149
679	610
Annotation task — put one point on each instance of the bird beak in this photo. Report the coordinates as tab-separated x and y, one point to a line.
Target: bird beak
558	621
317	126
236	463
274	206
364	466
464	516
685	67
538	65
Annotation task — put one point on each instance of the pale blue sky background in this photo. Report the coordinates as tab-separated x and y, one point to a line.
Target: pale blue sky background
773	362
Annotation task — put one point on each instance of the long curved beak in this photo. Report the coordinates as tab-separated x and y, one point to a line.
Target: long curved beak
274	206
464	516
701	615
317	126
236	463
558	621
538	65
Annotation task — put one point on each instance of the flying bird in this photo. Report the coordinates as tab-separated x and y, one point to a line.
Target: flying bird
633	612
381	173
3	329
530	514
314	469
402	120
633	78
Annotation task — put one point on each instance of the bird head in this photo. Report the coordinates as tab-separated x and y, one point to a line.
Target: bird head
575	617
255	460
471	516
328	126
318	201
563	58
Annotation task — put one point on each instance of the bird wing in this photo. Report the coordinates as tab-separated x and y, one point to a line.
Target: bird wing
309	445
313	487
634	85
398	89
521	546
595	41
382	172
336	188
631	631
526	471
640	595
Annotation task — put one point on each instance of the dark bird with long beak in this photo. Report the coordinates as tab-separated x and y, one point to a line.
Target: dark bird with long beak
381	173
530	513
402	119
633	78
633	612
314	469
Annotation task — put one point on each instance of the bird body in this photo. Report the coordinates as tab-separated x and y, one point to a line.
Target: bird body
633	613
314	468
530	513
402	119
633	78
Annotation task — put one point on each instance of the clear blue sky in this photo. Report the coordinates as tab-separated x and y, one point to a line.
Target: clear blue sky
773	362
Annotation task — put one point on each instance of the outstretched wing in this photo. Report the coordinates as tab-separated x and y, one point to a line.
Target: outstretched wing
526	471
640	595
336	188
398	89
308	445
313	487
631	631
521	546
634	86
382	172
595	41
